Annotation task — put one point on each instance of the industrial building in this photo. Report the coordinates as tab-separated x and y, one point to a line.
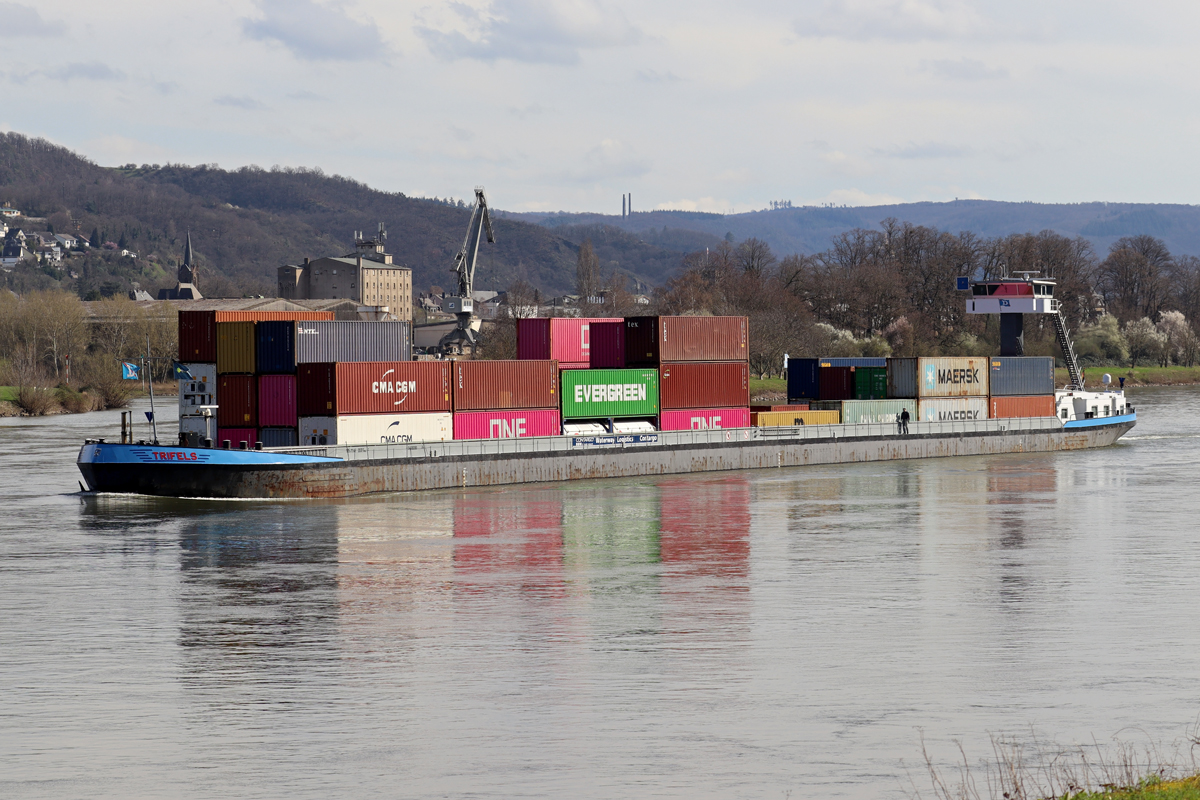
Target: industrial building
368	276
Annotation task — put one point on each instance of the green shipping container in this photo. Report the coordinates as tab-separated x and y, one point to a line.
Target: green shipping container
870	383
601	393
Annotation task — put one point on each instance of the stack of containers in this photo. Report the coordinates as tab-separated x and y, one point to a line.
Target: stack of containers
275	359
1021	387
373	402
567	340
596	394
237	385
506	399
607	344
945	388
833	383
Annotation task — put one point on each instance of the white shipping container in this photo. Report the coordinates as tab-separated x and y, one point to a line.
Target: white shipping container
377	429
952	377
948	409
200	391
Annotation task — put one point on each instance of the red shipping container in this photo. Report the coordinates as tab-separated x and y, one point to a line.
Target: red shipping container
372	387
1041	405
793	407
508	424
655	340
566	340
835	383
277	401
702	419
198	329
491	385
608	345
721	384
236	436
237	401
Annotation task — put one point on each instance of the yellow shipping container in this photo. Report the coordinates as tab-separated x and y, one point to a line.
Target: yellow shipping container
235	348
775	419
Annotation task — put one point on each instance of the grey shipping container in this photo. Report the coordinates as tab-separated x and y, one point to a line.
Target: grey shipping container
1012	376
902	377
278	437
328	342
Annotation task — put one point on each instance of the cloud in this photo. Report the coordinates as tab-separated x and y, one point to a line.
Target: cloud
926	150
652	76
902	20
532	31
967	69
611	158
243	102
304	94
844	164
19	21
93	71
314	32
532	110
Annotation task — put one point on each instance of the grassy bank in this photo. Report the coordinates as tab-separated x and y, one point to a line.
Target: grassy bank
769	388
1183	789
8	394
1137	376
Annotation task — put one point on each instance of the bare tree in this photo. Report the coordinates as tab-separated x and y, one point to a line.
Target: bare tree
587	273
1134	277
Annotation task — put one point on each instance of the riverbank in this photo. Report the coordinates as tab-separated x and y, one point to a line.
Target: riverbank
67	401
1182	789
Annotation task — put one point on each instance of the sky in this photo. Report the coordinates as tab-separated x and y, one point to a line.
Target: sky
564	105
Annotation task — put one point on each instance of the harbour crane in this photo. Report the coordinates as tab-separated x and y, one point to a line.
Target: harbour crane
462	305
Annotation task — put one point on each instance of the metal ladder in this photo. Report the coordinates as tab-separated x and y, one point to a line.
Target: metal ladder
1068	351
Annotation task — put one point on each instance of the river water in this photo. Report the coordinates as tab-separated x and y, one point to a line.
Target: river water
723	635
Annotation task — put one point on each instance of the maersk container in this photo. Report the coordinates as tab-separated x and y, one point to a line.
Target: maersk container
492	385
703	419
198	329
278	437
607	345
1025	375
328	342
835	383
792	407
952	377
870	383
235	348
201	390
950	409
803	379
238	406
902	377
603	393
715	384
507	424
277	401
275	350
377	429
236	438
776	419
826	361
373	387
566	340
858	412
651	341
1041	405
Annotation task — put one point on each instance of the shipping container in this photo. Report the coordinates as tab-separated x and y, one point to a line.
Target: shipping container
826	361
370	387
198	329
377	429
603	393
608	345
328	342
703	419
858	412
493	385
774	419
803	379
508	424
238	401
792	407
236	437
715	384
902	378
651	341
1008	407
566	340
938	377
278	437
235	348
276	347
1027	375
201	390
870	383
835	383
947	409
277	401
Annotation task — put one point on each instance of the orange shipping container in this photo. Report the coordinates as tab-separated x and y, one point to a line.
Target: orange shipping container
198	329
372	387
495	385
1041	405
653	340
721	384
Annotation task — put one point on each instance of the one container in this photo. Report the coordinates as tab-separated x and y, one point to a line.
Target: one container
603	393
608	345
703	419
835	383
1041	405
277	401
370	387
826	361
870	383
235	348
566	340
952	377
775	419
792	407
377	429
803	379
493	385
654	340
714	384
1010	376
236	436
238	406
201	390
275	350
278	437
327	342
509	424
858	412
949	409
901	377
198	329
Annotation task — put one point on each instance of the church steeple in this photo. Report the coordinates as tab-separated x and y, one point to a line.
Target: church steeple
187	251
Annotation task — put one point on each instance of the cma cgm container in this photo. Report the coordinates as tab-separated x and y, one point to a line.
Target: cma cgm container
275	347
237	437
491	385
603	393
705	385
870	383
1041	405
372	387
948	409
835	383
776	419
1026	375
278	437
938	377
803	378
201	390
235	348
509	424
703	419
566	340
607	345
238	406
857	412
327	342
277	401
377	429
198	329
656	340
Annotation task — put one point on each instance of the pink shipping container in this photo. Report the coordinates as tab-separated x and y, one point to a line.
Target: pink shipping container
236	436
608	345
703	419
566	340
507	424
277	401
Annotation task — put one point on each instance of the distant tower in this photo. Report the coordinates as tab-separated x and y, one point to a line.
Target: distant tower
187	270
622	206
186	288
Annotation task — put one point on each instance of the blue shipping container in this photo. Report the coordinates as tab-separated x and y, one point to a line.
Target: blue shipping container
802	379
853	362
276	347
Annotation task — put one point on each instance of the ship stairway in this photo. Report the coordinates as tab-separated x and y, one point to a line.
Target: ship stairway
1068	351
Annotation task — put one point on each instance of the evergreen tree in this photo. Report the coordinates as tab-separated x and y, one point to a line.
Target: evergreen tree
123	243
95	239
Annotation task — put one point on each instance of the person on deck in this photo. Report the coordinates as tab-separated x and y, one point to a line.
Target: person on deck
904	421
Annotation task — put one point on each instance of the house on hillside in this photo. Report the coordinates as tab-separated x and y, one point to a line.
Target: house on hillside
14	251
9	212
367	276
66	241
